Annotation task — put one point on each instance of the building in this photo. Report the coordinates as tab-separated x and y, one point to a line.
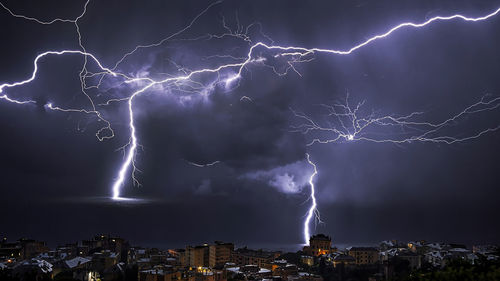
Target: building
22	248
220	253
32	248
260	258
485	249
417	247
364	255
159	273
10	250
34	269
104	260
248	272
284	269
342	259
414	259
107	242
179	255
307	260
436	258
319	244
78	268
303	276
197	256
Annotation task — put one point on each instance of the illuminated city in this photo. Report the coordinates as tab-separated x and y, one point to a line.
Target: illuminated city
173	124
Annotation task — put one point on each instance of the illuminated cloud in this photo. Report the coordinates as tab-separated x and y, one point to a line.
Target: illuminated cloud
289	179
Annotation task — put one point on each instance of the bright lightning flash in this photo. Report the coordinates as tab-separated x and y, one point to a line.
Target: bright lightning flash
313	209
348	123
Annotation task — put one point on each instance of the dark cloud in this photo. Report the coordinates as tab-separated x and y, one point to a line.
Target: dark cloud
53	167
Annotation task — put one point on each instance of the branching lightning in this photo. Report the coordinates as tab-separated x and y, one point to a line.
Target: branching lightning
350	125
46	22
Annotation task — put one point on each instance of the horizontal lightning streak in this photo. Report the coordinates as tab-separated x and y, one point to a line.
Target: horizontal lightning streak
347	125
203	165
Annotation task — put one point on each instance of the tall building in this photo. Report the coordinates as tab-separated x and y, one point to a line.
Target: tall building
319	244
197	256
220	253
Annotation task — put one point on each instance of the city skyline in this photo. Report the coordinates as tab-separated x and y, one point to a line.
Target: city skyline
108	257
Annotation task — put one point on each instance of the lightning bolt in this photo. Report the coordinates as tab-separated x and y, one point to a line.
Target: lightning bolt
313	210
351	128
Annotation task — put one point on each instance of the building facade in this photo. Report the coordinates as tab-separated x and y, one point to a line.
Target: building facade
197	256
364	255
319	244
220	253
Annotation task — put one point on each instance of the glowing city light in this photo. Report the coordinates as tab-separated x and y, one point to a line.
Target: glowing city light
191	79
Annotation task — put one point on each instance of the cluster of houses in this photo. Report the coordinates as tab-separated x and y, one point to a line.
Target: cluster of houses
100	258
214	262
435	254
416	253
105	257
382	260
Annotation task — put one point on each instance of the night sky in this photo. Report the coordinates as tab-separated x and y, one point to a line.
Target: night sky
56	176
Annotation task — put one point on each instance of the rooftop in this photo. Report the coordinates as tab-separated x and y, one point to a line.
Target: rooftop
321	237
